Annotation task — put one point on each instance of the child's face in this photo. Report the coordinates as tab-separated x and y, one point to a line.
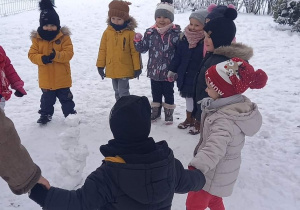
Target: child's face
162	21
195	25
50	27
211	92
117	20
208	43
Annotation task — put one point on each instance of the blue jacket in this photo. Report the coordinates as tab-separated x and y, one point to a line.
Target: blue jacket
186	63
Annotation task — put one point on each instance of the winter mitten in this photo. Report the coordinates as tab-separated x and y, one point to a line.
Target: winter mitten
138	37
52	55
172	76
101	72
46	59
20	92
38	194
137	73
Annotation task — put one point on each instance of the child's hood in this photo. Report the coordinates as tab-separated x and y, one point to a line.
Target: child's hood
235	50
131	25
244	114
64	30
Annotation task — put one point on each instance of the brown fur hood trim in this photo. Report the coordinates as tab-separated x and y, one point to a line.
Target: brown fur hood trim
235	50
65	30
131	25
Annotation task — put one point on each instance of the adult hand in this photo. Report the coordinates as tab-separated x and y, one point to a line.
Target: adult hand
44	182
101	72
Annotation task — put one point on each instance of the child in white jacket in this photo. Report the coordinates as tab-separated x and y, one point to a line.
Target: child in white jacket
227	117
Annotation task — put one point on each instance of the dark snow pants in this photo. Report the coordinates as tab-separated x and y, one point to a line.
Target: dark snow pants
48	100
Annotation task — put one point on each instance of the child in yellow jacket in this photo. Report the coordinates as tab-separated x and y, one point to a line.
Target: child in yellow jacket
52	51
117	53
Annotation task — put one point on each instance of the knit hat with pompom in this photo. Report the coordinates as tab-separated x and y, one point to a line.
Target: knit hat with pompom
234	76
222	29
48	14
165	9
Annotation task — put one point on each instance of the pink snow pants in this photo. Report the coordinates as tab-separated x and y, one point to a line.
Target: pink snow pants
201	200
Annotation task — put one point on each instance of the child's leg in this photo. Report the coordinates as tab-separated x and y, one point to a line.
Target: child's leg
189	120
115	83
169	106
65	97
216	203
197	200
2	103
189	104
123	87
48	100
168	92
157	91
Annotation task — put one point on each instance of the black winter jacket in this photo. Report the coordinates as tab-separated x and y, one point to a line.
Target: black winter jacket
212	58
116	186
186	63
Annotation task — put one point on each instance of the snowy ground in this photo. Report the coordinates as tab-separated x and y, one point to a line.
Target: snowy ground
270	173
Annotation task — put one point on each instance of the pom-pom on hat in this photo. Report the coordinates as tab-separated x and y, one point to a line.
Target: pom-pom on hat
216	11
199	15
165	9
234	76
48	14
222	29
130	118
119	8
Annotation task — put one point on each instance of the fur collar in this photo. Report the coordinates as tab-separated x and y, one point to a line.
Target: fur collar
64	30
235	50
131	25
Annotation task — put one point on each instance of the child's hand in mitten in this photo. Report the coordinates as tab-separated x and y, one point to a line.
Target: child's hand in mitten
172	76
101	72
138	37
137	73
20	92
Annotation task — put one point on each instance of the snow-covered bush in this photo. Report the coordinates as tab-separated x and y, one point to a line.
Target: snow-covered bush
287	12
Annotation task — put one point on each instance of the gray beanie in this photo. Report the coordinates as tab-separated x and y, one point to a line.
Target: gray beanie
199	15
166	10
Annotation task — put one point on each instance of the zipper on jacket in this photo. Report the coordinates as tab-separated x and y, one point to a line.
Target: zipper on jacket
124	42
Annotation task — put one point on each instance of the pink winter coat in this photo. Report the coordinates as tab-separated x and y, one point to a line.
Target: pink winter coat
223	131
8	76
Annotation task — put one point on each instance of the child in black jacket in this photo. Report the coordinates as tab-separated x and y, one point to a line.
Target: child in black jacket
136	174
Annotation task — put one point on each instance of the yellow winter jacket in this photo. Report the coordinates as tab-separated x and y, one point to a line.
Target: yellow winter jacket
117	53
57	74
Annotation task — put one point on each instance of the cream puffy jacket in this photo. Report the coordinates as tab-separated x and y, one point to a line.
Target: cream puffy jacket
218	153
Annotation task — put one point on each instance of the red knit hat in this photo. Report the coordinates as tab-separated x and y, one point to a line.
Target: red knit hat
235	76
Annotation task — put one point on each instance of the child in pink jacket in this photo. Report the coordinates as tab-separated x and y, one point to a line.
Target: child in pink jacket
9	78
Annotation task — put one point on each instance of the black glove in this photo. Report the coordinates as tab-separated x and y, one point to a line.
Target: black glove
19	94
101	72
137	73
38	194
48	58
52	55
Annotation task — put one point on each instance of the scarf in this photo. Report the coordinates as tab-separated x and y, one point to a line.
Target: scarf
193	37
119	27
209	104
163	30
48	35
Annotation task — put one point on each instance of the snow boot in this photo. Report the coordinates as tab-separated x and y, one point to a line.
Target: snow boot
169	109
155	111
196	129
44	119
189	121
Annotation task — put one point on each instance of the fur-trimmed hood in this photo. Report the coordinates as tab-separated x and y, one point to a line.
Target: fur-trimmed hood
235	50
131	25
64	30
